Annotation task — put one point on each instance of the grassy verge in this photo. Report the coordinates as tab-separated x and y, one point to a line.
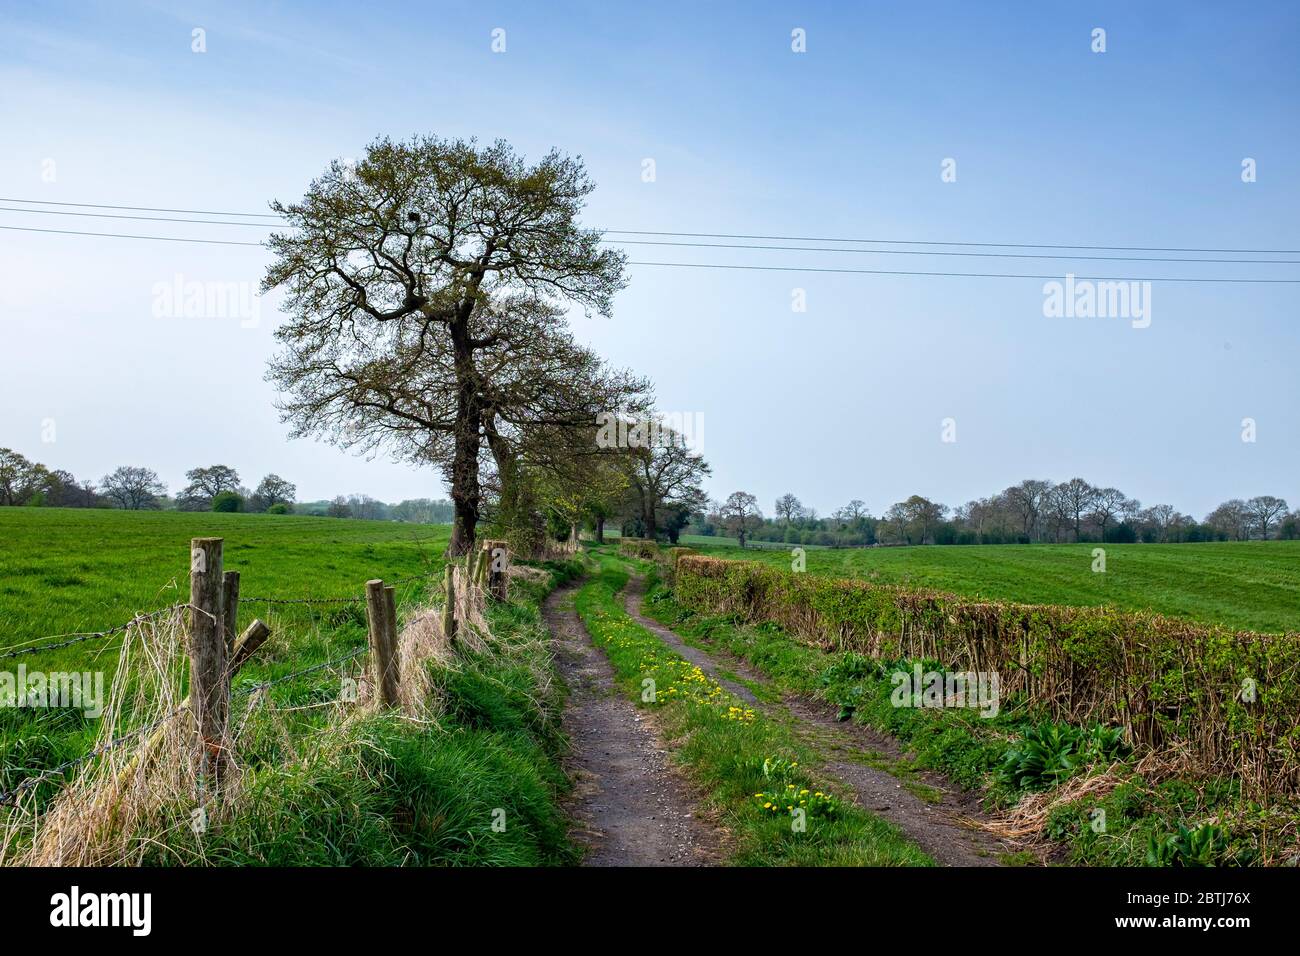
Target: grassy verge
478	785
752	769
1080	785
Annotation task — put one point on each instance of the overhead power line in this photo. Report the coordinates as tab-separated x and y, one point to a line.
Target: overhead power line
750	268
712	265
93	205
935	242
123	235
946	252
109	215
720	245
966	275
721	235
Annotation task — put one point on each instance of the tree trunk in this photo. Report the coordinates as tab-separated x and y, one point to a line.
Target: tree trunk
464	465
600	530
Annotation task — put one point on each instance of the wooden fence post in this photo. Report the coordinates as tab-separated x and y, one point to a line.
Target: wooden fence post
496	559
449	603
230	606
382	676
393	675
209	676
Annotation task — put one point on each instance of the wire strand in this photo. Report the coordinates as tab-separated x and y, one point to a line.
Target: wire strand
721	235
965	275
946	252
712	265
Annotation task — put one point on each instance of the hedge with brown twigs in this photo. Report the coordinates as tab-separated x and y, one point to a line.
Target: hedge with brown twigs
1225	701
638	548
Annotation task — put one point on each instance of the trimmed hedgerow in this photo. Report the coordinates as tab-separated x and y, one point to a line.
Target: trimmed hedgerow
1222	697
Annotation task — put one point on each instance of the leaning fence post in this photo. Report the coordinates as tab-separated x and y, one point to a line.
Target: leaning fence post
382	676
449	603
209	676
230	606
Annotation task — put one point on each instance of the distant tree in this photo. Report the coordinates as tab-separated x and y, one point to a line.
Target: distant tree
228	501
1231	520
89	495
339	508
853	511
675	517
1162	519
1077	497
666	472
20	479
367	508
134	489
923	518
741	514
788	508
204	486
895	523
279	508
62	490
1056	512
1266	509
1107	505
272	490
422	511
1027	499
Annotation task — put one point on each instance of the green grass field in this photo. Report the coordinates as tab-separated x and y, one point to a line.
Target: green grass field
67	570
380	790
317	786
1250	585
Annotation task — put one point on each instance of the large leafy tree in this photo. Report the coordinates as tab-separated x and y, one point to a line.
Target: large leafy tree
1266	510
422	257
273	490
204	486
20	479
665	472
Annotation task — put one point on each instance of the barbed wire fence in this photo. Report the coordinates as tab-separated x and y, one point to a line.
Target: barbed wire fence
216	653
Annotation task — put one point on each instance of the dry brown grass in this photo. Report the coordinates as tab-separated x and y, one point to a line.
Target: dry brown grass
119	803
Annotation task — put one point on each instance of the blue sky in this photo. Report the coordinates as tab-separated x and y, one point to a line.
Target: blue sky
1139	146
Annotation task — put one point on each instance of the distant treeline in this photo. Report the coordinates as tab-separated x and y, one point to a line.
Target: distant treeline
25	483
1032	511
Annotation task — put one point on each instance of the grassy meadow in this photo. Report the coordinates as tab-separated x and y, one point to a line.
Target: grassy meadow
67	570
1252	585
64	571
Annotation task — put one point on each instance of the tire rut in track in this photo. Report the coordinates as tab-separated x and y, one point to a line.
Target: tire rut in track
950	829
630	805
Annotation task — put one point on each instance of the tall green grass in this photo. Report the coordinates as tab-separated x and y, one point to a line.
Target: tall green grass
479	784
70	570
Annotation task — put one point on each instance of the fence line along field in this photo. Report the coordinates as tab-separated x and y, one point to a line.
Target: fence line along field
1250	585
69	573
69	570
